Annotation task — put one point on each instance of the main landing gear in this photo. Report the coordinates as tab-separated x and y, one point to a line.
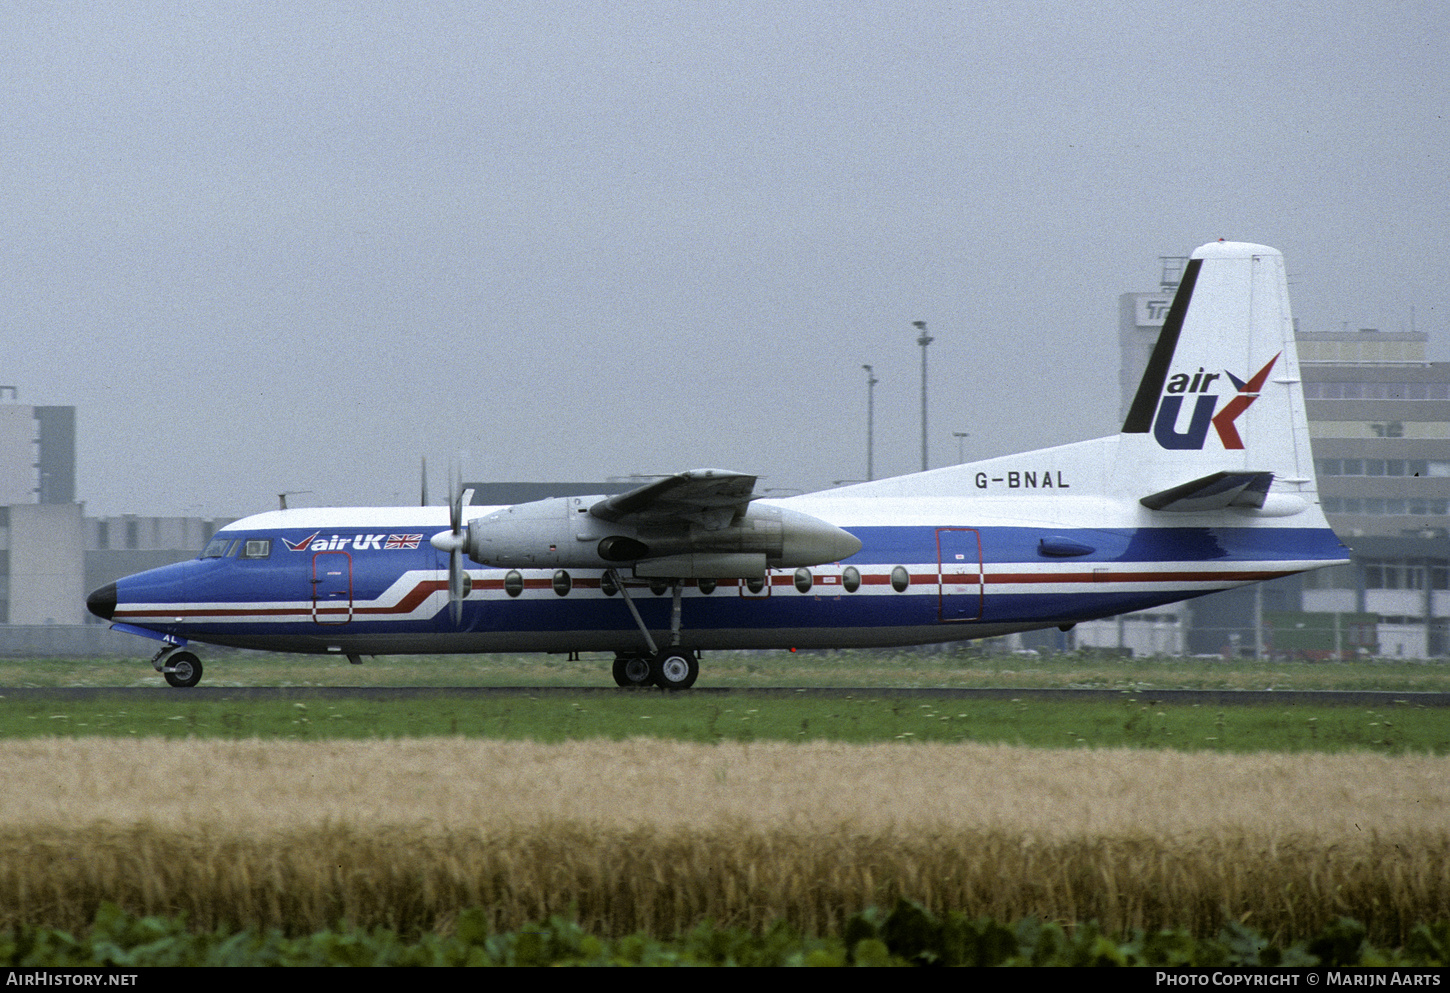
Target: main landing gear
672	668
181	670
669	669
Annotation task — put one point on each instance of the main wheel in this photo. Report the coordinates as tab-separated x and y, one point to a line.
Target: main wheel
631	670
675	669
187	670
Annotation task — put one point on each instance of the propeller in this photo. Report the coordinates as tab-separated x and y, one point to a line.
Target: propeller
452	542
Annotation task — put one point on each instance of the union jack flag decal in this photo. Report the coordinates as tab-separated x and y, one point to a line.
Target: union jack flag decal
403	541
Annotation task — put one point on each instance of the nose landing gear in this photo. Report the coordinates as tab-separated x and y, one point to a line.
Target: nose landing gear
181	670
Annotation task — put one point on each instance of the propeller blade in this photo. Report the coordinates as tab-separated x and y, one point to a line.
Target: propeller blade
458	581
455	496
457	588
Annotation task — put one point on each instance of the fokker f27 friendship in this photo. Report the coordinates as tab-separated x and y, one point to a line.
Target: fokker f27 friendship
1209	485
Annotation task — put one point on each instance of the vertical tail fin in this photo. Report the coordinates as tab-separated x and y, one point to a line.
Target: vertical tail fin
1222	394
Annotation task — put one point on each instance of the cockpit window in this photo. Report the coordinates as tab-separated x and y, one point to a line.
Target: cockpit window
216	548
257	548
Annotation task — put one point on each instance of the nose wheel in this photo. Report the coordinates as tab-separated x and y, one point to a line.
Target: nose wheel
182	670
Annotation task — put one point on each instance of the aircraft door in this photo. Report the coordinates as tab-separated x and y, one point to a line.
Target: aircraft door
959	573
332	587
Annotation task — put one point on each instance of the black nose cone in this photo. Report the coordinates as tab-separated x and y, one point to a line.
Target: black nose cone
102	602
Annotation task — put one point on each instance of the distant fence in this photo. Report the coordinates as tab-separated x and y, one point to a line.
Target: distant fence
69	641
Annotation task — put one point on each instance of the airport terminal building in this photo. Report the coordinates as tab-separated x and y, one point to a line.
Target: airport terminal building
1380	419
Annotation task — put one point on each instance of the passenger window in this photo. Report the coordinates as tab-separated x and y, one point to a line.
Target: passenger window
900	579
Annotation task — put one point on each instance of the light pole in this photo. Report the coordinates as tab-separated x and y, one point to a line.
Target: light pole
923	340
871	382
960	435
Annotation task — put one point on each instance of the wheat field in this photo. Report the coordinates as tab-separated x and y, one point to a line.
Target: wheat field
658	835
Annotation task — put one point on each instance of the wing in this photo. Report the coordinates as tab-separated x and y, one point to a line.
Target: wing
710	498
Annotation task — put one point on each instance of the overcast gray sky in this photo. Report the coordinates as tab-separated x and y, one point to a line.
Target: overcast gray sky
296	246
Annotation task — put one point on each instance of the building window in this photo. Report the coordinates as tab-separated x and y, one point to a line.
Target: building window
1340	577
1392	507
1377	391
1387	574
1378	467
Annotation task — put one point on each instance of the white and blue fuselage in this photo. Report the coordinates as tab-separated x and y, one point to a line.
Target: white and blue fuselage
1208	486
930	569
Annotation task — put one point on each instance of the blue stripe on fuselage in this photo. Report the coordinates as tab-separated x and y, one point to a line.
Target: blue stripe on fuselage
894	545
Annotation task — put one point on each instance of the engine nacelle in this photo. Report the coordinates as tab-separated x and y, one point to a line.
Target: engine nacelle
561	533
703	565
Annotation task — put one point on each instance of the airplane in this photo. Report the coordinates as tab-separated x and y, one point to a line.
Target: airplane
1209	485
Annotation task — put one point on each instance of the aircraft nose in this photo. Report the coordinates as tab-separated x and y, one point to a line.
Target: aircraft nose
102	602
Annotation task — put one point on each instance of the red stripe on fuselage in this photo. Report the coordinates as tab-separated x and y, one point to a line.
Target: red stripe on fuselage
1000	580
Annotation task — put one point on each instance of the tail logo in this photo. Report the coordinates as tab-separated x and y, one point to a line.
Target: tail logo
1165	426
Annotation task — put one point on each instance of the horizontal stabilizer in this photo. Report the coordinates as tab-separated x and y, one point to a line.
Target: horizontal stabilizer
1216	492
